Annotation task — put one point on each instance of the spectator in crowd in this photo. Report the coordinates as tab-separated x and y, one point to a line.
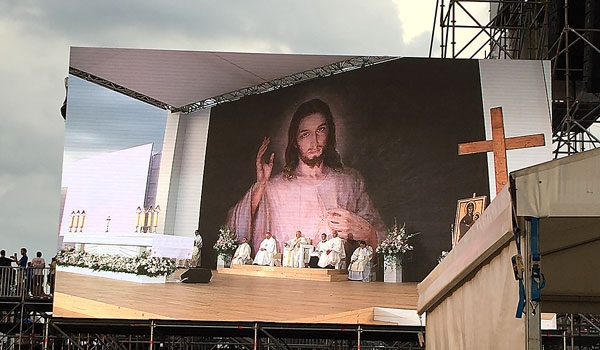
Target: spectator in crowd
38	264
22	262
7	274
52	275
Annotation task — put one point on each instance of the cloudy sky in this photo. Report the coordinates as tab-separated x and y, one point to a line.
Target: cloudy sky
35	37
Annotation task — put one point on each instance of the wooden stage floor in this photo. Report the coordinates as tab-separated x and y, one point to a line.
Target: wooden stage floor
230	298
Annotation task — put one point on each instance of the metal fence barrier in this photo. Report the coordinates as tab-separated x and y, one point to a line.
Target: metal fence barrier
26	282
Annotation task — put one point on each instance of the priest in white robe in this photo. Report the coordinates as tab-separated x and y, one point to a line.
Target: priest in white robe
321	246
315	193
196	260
360	263
319	249
292	252
334	254
242	253
266	251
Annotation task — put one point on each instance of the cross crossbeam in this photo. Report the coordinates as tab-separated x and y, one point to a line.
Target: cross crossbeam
499	144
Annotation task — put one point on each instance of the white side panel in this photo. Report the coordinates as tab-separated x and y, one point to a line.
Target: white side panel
165	175
522	89
107	185
191	158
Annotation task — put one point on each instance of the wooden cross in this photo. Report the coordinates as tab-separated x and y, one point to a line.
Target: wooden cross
499	144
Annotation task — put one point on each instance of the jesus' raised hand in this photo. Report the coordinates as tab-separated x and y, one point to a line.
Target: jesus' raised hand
263	173
263	169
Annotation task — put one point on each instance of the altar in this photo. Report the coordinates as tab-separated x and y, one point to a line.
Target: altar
131	244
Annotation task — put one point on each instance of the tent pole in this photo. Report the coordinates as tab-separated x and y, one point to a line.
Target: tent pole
532	309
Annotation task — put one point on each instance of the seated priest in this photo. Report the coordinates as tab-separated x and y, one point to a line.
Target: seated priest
292	254
360	263
316	254
266	251
242	253
334	255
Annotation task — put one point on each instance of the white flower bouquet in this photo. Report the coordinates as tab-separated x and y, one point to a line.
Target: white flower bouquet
142	264
227	242
395	245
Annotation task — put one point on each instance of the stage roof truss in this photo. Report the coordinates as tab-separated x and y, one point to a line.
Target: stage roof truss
120	89
319	72
286	81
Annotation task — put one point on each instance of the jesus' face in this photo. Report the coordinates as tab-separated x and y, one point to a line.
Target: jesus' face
312	138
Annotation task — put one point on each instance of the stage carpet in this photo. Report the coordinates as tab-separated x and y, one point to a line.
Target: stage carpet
231	298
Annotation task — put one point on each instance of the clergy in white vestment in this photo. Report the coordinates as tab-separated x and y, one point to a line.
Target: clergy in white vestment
292	254
360	263
321	246
314	193
319	249
197	252
266	251
242	253
334	253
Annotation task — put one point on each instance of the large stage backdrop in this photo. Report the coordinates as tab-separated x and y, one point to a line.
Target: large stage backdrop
134	174
397	124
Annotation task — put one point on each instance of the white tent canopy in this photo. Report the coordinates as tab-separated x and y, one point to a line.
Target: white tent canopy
565	196
471	296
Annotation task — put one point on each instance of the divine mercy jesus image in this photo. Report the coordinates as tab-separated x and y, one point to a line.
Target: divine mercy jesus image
315	193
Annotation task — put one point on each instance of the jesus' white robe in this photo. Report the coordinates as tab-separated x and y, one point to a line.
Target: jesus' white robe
290	205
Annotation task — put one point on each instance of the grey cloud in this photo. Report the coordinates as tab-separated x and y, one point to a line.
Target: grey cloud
304	26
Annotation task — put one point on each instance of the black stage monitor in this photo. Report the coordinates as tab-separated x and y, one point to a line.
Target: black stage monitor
196	275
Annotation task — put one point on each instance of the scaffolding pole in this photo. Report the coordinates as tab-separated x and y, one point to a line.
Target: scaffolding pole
521	29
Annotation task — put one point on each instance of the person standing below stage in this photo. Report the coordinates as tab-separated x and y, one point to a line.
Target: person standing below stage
242	253
334	253
360	263
266	251
320	248
38	264
197	253
314	193
292	254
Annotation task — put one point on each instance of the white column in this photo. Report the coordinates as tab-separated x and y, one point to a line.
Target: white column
181	173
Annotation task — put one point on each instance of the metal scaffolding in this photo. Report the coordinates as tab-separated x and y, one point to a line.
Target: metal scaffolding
77	333
566	32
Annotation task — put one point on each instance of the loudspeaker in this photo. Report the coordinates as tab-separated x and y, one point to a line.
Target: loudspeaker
196	275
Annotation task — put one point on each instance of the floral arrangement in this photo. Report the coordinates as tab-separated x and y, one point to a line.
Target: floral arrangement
395	245
227	242
142	264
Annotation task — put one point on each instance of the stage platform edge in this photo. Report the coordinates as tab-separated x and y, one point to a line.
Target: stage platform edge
307	274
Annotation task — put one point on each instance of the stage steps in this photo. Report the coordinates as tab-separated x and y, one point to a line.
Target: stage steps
308	274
